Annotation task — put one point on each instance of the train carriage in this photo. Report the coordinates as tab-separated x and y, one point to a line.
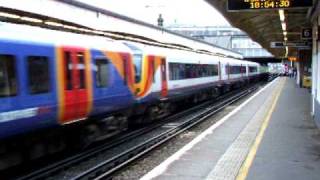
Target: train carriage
58	78
94	85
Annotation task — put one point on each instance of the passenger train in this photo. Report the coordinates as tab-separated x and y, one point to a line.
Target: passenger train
52	80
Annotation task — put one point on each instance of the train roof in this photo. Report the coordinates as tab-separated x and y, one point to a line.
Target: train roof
37	35
184	55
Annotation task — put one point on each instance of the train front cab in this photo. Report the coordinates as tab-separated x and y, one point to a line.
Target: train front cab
150	86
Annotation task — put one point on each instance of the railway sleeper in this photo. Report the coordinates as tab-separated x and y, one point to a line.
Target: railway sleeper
103	129
25	149
154	112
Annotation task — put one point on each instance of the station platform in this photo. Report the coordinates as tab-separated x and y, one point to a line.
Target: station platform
270	136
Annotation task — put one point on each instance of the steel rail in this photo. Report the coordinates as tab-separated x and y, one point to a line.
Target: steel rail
75	159
112	165
105	169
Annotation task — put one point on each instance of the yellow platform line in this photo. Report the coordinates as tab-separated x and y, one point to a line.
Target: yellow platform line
244	170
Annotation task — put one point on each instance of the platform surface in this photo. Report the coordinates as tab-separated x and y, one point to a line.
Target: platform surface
270	136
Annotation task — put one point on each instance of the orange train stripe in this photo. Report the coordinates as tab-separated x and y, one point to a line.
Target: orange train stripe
117	59
148	76
60	84
89	83
140	84
130	72
149	68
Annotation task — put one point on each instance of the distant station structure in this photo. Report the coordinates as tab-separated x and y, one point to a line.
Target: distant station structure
98	20
225	36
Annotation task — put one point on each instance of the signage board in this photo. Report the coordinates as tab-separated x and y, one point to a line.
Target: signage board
306	33
280	44
238	5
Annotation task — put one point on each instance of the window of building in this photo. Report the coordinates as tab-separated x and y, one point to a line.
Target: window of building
38	73
102	73
8	77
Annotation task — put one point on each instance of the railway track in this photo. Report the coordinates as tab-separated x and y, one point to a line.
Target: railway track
136	143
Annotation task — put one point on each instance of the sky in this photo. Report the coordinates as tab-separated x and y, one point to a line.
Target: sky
181	12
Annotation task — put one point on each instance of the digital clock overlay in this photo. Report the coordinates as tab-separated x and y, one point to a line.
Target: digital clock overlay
236	5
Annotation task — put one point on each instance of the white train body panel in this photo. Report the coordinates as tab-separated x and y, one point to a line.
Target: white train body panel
194	59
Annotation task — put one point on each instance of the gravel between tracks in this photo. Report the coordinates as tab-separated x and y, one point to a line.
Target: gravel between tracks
147	163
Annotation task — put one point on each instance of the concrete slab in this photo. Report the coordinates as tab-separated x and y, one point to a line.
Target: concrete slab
290	146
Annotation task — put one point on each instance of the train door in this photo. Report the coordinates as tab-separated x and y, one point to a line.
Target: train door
75	90
228	70
241	70
164	83
219	70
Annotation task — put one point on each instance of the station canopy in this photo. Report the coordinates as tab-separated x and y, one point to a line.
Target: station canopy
98	21
264	25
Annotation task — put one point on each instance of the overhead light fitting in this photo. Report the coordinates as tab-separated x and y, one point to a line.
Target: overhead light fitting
70	27
29	19
51	23
284	26
8	15
281	14
284	29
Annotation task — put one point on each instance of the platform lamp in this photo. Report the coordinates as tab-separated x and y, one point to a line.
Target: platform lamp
284	29
160	20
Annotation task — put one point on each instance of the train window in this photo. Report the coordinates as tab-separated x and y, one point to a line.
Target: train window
215	70
189	71
235	70
253	69
125	68
81	68
137	60
172	72
178	71
243	69
8	77
102	73
153	71
38	83
175	71
182	72
68	70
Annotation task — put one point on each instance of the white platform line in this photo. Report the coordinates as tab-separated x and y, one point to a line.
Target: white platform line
164	165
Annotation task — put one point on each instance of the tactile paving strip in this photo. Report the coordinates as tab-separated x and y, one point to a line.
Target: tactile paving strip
229	164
